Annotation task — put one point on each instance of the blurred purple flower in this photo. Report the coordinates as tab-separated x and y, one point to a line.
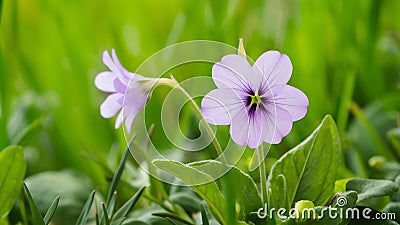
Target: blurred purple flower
127	96
255	100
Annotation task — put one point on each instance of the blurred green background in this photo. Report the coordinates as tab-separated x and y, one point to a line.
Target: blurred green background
342	52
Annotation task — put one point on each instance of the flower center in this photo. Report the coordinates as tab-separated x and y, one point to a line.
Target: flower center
253	102
255	99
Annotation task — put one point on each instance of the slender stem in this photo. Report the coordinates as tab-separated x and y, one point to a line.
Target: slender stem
263	174
210	132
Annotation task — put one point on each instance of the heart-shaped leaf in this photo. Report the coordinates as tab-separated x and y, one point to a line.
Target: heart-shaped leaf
309	169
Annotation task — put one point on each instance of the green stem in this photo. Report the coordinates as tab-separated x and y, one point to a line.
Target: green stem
263	174
175	84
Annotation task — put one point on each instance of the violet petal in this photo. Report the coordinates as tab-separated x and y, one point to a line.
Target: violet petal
294	101
231	72
104	81
275	67
279	123
110	106
220	105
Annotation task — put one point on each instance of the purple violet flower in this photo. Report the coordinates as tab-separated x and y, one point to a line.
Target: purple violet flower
255	100
128	94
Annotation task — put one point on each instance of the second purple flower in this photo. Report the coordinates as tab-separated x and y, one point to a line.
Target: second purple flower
129	92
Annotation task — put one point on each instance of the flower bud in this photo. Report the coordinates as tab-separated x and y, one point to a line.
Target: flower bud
241	50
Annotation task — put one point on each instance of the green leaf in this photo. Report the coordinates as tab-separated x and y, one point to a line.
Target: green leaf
394	137
106	218
36	217
111	196
367	131
369	188
3	221
23	210
187	200
23	137
1	9
247	196
118	221
340	185
393	208
50	212
126	208
202	183
341	202
326	215
172	216
345	200
171	221
309	170
144	216
204	218
111	204
97	219
86	209
390	169
118	173
396	195
346	97
73	188
12	172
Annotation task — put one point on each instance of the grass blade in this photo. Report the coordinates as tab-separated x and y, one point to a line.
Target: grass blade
170	220
35	214
86	209
111	204
23	137
22	211
118	221
118	173
50	212
345	101
170	216
126	208
110	207
204	218
97	216
379	144
106	218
